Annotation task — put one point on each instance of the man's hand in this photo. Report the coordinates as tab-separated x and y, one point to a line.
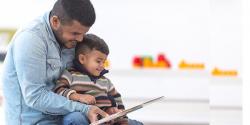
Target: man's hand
94	112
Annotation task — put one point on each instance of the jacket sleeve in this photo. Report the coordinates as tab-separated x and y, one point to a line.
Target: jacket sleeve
29	55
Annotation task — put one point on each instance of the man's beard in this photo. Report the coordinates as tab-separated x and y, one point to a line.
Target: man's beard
58	36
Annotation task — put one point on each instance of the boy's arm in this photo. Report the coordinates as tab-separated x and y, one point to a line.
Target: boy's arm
117	98
63	88
63	85
115	95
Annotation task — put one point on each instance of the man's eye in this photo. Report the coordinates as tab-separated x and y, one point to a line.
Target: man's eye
75	34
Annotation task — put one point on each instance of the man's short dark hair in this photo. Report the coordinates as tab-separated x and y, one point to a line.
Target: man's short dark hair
79	10
91	42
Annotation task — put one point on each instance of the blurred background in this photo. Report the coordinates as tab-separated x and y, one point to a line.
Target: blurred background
186	50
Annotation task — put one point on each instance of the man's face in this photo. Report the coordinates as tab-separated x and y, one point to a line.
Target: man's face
69	34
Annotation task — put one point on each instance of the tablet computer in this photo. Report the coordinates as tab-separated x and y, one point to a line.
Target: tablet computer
124	112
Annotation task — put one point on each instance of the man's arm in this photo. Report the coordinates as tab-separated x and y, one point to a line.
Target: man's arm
30	62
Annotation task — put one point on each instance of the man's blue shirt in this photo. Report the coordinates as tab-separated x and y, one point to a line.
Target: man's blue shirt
33	62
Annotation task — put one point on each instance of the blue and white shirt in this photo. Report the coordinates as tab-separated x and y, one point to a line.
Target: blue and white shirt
33	62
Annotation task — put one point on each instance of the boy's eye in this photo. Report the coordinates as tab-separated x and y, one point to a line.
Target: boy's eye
98	61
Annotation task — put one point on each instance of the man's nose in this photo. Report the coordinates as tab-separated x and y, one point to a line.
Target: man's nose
79	38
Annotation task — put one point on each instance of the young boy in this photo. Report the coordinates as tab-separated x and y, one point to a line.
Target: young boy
84	82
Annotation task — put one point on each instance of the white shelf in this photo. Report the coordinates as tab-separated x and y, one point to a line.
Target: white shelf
185	85
192	97
170	112
176	85
218	80
160	72
226	93
226	117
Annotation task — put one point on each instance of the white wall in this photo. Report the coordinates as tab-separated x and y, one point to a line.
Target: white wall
196	30
226	34
182	29
179	28
206	31
14	13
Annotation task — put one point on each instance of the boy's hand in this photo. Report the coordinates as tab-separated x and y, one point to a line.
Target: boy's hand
86	98
124	124
120	110
112	110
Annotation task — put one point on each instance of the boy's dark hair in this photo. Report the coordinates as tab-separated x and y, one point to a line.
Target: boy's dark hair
91	42
79	10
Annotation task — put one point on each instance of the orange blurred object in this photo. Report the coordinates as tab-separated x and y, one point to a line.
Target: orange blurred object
184	65
220	72
148	62
162	61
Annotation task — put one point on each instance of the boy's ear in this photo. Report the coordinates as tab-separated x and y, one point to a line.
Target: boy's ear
82	58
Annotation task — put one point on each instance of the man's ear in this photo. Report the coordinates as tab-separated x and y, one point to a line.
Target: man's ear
55	22
82	58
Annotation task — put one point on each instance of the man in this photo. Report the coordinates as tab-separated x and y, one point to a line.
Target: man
36	56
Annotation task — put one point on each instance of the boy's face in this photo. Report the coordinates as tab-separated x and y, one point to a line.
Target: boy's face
93	61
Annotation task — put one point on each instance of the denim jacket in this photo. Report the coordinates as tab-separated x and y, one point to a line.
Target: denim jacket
33	62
